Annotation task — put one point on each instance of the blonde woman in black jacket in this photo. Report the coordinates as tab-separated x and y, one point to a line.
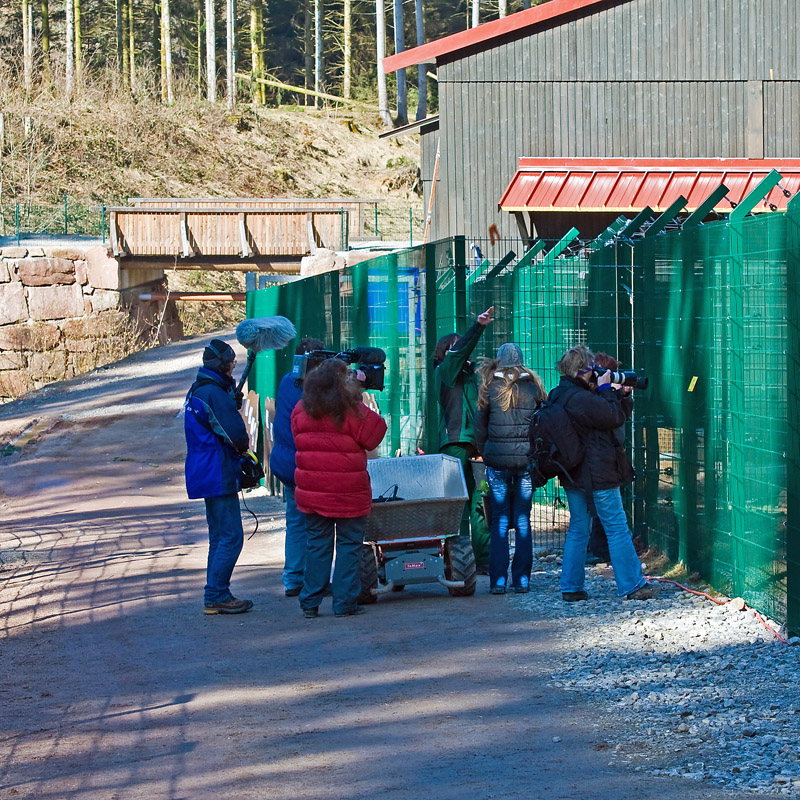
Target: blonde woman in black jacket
509	394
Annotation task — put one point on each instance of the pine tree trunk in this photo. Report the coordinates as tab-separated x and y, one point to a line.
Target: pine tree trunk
131	45
118	10
166	27
70	47
199	52
27	47
78	41
230	46
347	47
380	50
45	41
126	69
262	59
308	50
211	52
399	47
422	78
317	50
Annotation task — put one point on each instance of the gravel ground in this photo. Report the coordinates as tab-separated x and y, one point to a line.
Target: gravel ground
694	689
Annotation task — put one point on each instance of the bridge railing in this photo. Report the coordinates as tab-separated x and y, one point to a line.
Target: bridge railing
360	210
244	231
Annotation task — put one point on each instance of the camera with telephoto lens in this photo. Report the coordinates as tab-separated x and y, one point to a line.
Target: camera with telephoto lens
367	360
625	377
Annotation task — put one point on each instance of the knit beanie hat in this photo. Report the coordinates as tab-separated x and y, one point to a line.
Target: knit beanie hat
509	355
216	354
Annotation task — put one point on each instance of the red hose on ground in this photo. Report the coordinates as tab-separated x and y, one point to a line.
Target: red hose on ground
756	614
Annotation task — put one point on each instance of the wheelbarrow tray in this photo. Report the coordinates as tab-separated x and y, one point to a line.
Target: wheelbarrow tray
433	492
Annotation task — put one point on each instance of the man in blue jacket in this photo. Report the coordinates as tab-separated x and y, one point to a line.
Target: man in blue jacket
281	464
216	437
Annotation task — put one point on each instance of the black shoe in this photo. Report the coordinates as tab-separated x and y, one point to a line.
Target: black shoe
499	589
646	592
574	597
293	592
311	613
230	606
522	589
352	612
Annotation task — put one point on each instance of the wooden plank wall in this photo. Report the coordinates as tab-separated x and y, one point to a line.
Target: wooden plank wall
642	78
216	231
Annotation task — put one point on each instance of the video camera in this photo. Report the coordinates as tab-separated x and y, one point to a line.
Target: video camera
368	360
625	378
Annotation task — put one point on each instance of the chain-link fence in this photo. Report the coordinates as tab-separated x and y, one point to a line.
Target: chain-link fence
712	316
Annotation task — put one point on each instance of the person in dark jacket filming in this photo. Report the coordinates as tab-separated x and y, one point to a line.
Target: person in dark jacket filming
508	396
281	464
596	415
216	437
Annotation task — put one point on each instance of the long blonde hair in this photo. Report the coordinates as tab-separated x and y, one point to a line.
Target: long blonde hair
508	393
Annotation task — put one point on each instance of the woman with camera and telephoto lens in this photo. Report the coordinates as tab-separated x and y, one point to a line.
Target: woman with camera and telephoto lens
596	414
508	395
333	431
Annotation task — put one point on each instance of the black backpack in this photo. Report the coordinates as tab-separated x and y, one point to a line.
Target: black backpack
556	448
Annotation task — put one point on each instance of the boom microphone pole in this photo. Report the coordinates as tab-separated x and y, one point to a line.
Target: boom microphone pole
264	333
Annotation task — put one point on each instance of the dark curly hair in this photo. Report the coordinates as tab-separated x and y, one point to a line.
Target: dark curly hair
330	391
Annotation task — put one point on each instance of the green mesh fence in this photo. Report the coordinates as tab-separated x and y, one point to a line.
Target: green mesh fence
710	314
68	218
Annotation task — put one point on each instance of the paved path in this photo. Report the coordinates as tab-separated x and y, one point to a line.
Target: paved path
113	684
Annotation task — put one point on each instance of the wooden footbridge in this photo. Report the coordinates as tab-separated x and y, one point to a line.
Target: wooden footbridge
245	234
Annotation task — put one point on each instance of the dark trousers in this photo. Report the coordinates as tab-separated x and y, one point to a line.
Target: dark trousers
347	533
225	540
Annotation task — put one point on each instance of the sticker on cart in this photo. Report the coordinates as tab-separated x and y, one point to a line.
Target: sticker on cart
414	565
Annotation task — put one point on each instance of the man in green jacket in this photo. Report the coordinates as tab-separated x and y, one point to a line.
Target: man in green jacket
456	387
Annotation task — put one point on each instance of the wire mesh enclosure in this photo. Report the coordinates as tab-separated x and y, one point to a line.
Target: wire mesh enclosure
710	314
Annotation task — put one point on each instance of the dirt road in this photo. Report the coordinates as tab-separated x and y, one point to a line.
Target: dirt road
113	684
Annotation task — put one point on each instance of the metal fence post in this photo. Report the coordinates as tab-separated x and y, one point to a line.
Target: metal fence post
377	235
410	227
16	221
103	222
66	230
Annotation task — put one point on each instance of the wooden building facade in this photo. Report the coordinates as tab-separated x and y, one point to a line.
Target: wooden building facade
653	79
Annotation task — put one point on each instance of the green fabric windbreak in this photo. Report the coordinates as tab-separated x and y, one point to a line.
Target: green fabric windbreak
382	302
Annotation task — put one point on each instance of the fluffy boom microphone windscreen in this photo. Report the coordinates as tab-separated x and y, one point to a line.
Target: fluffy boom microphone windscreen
264	333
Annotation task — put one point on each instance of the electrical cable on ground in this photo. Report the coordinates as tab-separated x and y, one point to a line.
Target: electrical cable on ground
251	514
756	614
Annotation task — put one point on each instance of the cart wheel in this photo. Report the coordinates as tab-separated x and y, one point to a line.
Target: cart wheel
367	574
398	587
459	564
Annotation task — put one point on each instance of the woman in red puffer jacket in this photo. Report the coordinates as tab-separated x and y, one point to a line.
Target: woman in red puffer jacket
333	430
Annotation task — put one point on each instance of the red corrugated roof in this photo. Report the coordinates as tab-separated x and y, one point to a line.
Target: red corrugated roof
489	30
622	185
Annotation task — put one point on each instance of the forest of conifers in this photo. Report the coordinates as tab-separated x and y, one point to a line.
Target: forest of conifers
252	49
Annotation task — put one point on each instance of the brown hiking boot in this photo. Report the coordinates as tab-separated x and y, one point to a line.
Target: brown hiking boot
646	592
230	606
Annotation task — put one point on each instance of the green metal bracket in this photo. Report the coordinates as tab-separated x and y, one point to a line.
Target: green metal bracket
705	208
501	265
637	222
794	204
752	199
477	272
528	256
665	219
562	245
609	233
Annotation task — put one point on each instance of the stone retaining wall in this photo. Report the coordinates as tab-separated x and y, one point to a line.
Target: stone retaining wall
65	311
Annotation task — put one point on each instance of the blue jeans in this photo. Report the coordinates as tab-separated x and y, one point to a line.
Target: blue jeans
295	543
348	533
626	564
225	540
510	497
